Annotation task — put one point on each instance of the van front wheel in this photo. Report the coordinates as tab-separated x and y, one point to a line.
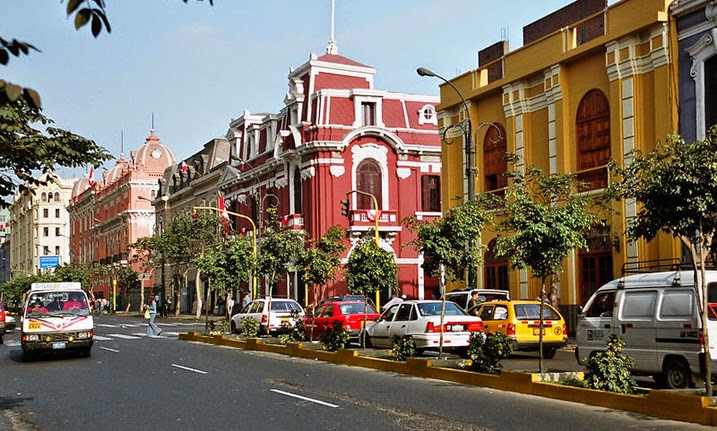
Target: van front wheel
676	374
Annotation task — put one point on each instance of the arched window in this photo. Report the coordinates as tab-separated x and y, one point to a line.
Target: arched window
593	139
43	197
368	180
494	164
595	265
57	197
298	204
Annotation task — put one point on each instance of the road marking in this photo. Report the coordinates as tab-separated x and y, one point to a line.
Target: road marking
109	350
101	338
124	336
189	369
289	394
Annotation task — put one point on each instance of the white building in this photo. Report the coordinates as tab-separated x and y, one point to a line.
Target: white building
39	224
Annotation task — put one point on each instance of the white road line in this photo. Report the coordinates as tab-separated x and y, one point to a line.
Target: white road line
125	336
189	369
288	394
109	350
101	338
107	325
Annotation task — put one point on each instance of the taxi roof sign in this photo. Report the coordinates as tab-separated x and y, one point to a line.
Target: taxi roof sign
64	285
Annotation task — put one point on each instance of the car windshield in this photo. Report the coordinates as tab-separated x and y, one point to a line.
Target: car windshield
434	309
356	308
532	311
57	303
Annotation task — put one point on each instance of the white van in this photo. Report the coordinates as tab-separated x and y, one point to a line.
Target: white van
658	317
56	317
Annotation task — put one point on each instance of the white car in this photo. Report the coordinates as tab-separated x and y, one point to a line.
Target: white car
421	319
282	317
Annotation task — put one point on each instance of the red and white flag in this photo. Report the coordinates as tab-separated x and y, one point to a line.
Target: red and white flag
223	213
372	215
91	180
185	166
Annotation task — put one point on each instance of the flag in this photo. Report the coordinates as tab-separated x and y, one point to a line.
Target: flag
185	168
373	214
223	213
91	176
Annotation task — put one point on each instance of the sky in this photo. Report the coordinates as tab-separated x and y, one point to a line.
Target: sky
191	68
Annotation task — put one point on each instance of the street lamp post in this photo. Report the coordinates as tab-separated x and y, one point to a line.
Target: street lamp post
467	127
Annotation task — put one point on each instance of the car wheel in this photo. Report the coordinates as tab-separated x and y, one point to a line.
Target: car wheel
28	355
1	339
87	352
549	352
369	344
234	327
676	374
420	352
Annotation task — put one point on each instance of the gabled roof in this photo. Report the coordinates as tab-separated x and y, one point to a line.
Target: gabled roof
339	59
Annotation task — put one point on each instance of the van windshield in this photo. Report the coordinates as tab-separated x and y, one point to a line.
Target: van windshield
57	303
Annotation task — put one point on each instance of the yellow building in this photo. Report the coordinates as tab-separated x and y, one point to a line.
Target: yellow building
590	83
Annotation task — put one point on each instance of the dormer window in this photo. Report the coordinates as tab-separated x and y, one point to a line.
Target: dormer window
427	115
368	114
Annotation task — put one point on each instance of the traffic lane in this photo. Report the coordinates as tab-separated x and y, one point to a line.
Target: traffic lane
405	402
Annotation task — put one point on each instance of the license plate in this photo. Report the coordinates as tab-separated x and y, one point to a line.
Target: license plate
536	331
456	328
34	326
595	334
58	345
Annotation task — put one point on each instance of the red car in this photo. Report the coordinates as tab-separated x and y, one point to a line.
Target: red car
351	313
2	322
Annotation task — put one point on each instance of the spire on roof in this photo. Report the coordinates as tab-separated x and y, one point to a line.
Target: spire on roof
332	48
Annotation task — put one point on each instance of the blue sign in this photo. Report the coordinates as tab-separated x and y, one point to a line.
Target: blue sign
49	262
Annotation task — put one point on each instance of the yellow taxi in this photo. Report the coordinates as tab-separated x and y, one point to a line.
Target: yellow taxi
520	321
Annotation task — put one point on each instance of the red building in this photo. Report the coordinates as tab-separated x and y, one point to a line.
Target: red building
109	214
337	133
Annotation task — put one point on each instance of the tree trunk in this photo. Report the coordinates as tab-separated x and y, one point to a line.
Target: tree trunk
541	326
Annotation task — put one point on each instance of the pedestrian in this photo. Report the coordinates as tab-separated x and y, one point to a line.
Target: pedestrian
245	300
230	306
168	301
152	329
475	300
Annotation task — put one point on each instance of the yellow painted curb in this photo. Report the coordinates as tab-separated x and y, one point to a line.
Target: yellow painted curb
664	404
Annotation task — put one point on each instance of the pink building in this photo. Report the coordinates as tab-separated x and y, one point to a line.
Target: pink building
108	214
337	133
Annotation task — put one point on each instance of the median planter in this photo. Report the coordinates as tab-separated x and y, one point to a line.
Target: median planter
664	404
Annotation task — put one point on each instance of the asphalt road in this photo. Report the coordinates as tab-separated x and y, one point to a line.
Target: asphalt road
132	382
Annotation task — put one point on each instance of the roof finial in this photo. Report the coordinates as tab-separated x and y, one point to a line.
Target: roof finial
331	48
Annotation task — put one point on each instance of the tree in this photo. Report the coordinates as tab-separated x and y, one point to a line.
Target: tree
26	149
443	243
281	249
229	264
543	221
675	187
321	260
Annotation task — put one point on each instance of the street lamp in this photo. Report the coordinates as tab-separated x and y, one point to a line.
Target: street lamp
467	127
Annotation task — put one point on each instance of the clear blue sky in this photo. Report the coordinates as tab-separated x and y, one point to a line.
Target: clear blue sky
196	66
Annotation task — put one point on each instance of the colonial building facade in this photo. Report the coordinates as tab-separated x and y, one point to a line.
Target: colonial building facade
590	84
38	224
336	135
109	214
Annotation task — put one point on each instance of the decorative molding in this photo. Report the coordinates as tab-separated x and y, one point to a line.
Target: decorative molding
337	170
403	173
307	173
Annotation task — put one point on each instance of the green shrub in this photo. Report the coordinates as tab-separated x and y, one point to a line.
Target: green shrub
402	347
485	352
336	337
610	370
293	334
249	328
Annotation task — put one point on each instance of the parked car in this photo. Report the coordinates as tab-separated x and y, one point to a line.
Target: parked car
421	319
273	319
347	298
3	324
520	321
657	315
350	313
462	297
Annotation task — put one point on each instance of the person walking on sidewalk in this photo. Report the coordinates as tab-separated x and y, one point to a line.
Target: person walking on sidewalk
152	329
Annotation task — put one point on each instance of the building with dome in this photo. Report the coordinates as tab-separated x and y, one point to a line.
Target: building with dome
108	214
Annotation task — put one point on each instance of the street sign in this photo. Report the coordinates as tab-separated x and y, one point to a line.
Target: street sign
52	261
